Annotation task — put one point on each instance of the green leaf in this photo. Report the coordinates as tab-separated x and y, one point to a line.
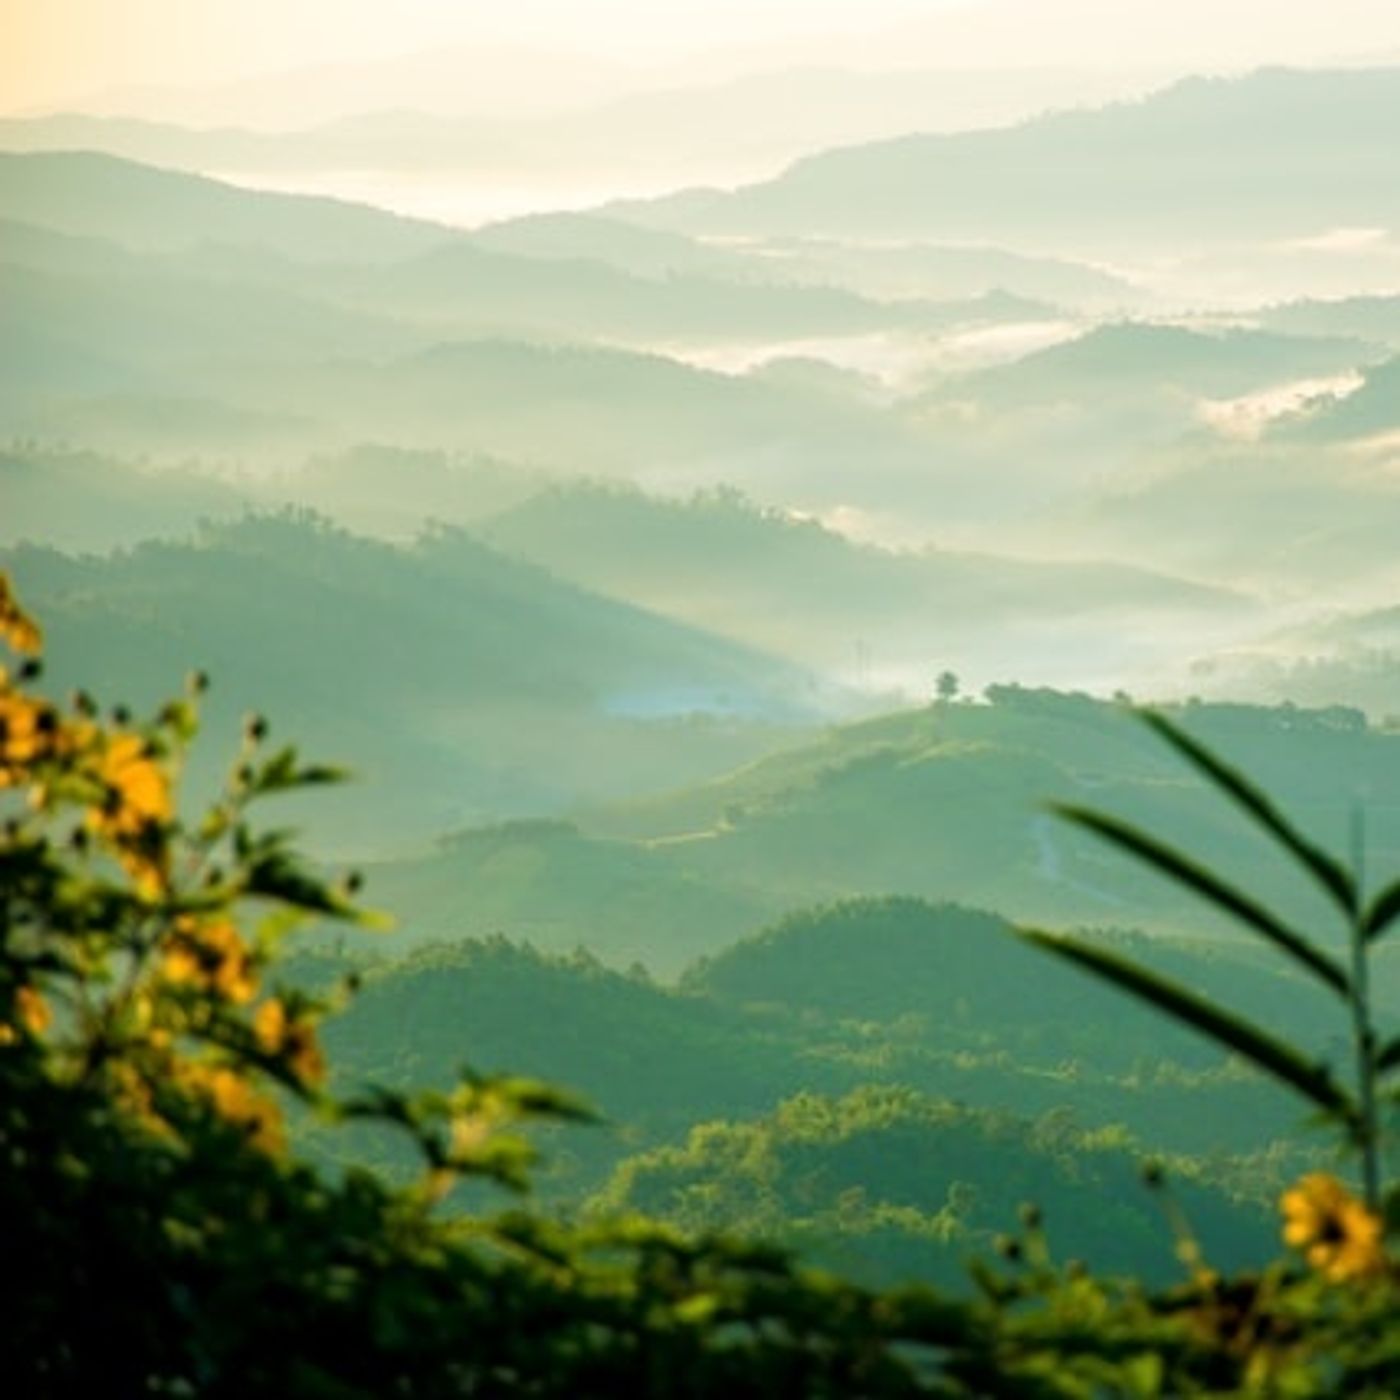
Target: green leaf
529	1098
275	875
1388	1057
1330	873
1384	910
1209	886
281	773
1273	1056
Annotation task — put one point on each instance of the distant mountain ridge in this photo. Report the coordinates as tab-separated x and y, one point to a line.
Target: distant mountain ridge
146	207
1281	152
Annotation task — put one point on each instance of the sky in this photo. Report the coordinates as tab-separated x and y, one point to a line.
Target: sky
57	50
69	52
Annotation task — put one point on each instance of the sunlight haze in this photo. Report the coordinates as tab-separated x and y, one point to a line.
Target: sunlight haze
125	53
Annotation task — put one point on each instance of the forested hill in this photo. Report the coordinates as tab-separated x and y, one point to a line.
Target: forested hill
455	680
947	802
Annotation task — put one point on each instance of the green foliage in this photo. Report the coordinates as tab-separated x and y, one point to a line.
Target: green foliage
1358	1109
168	1243
890	1184
165	1242
956	970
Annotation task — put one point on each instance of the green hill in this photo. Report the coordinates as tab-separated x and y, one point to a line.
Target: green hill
549	883
960	970
461	683
945	803
888	1185
790	586
655	1060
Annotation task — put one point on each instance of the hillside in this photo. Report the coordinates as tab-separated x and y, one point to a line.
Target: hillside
886	1185
1324	514
471	287
461	683
552	885
791	586
1157	360
1201	159
946	803
1373	318
264	350
653	1060
83	502
85	193
696	1067
960	974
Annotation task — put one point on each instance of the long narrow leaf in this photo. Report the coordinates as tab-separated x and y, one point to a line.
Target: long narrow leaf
1271	1055
1209	886
1384	910
1330	873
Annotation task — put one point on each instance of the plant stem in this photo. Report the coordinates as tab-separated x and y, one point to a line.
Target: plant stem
1362	1030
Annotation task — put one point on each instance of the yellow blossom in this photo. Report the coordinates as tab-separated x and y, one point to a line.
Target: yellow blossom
28	735
30	1011
234	1100
134	810
1340	1237
138	794
292	1038
17	628
213	957
133	1094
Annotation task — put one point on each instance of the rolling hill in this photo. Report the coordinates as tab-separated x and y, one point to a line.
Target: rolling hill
144	207
1276	153
795	588
944	803
459	682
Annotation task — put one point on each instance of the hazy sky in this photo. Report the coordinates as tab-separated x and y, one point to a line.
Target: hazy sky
60	51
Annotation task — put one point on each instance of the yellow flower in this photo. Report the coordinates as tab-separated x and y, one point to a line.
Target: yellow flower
1339	1236
28	735
17	628
30	1011
292	1038
133	1095
212	957
135	810
234	1100
138	794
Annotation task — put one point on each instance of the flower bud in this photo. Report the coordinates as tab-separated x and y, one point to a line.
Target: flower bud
1008	1246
